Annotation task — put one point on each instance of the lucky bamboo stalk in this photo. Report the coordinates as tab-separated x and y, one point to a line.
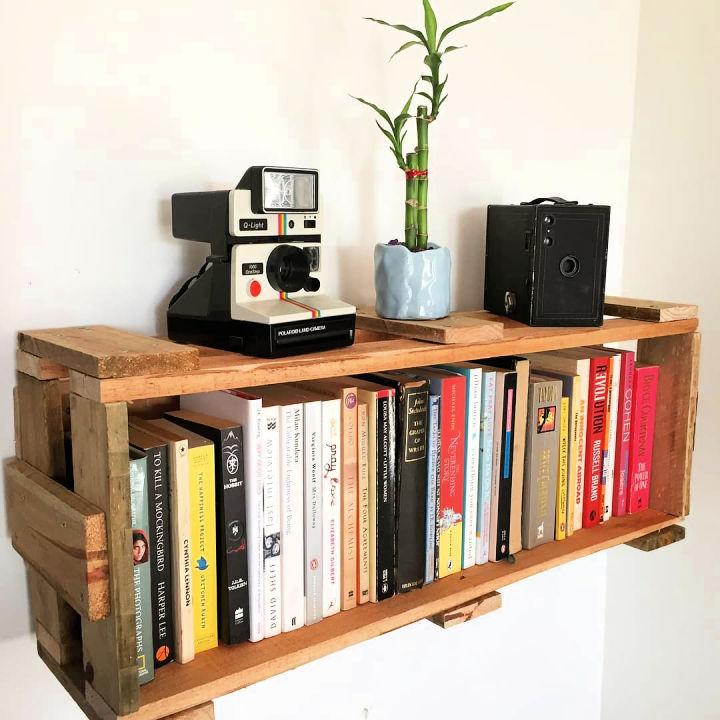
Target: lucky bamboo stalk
411	202
422	192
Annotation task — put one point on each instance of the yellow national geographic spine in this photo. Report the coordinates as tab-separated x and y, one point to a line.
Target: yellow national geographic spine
562	487
202	503
573	440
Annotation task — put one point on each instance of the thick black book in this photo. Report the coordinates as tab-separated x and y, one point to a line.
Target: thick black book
385	478
504	504
230	514
411	417
160	543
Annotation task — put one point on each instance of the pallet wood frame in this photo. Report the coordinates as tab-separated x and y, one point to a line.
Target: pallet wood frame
104	682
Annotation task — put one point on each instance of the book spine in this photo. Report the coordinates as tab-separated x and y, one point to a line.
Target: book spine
473	420
202	542
291	507
385	493
573	440
501	538
141	569
624	425
643	431
160	555
487	432
272	531
597	411
349	484
610	437
522	386
433	430
452	447
332	500
313	512
411	487
363	569
582	445
562	481
232	540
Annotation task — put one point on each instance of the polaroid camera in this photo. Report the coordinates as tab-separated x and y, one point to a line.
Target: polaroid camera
260	290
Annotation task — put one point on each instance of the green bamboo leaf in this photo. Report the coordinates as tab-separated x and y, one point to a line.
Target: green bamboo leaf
487	13
426	78
406	106
403	28
389	136
425	95
430	25
433	61
451	48
405	46
442	100
400	121
378	110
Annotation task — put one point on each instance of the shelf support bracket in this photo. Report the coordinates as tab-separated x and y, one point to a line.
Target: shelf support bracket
659	538
462	613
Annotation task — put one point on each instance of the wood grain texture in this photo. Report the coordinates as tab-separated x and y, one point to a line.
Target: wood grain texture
221	370
222	670
105	352
61	535
648	310
678	358
39	367
469	611
659	538
206	711
458	327
101	468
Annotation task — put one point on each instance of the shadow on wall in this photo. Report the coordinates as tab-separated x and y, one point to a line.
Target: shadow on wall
469	260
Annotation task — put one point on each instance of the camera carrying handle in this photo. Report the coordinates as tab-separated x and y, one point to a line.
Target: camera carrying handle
554	200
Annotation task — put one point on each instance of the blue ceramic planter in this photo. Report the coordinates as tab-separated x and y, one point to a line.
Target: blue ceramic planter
412	285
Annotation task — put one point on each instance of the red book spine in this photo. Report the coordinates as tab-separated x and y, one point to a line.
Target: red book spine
622	435
597	412
643	432
452	444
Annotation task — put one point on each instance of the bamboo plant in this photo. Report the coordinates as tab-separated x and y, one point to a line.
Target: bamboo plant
415	164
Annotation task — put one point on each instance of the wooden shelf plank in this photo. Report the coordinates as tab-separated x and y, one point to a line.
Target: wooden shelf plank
220	370
225	669
650	310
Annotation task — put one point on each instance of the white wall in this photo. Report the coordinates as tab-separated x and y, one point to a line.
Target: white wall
107	108
662	650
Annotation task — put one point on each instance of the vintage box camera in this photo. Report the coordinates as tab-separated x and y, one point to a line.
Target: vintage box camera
260	290
545	264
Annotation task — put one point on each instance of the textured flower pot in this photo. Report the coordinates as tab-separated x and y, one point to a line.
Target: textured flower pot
412	285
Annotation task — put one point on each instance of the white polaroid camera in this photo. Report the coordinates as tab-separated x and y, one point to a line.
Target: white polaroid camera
260	291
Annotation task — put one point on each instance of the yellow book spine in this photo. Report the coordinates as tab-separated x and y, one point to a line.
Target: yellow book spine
574	439
202	536
562	483
450	550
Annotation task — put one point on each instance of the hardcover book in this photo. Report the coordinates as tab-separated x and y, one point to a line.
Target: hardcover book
622	432
363	507
541	461
433	479
597	417
487	435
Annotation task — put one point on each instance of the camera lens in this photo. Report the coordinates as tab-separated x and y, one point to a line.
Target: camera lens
288	268
569	266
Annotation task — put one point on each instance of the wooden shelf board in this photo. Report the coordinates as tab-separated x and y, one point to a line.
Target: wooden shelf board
219	370
217	672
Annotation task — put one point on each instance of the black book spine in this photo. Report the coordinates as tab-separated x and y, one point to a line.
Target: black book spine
411	486
506	466
160	549
234	597
385	498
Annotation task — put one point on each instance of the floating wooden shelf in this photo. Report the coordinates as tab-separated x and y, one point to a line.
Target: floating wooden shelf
108	370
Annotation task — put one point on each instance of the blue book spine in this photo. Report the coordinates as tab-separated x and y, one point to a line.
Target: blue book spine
487	429
433	471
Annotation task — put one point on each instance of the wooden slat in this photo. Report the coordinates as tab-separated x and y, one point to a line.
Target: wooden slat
100	461
649	310
39	367
227	668
678	358
458	327
206	711
105	352
61	535
222	370
469	611
659	538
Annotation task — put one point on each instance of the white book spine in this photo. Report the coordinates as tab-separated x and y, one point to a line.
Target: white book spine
487	434
363	507
473	417
609	469
247	411
291	504
433	458
497	461
331	468
272	524
584	373
313	512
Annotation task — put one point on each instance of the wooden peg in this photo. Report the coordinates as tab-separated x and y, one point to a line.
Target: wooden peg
658	539
462	613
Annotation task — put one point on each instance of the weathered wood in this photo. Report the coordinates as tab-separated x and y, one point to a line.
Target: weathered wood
105	352
678	359
222	370
659	538
458	327
469	611
61	535
648	310
100	461
39	367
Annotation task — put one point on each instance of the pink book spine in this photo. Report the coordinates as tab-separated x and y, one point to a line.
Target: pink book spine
643	431
623	433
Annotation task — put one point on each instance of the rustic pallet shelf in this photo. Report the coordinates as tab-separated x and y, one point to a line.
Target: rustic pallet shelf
78	384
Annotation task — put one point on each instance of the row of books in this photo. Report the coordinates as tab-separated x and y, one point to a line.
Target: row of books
260	511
